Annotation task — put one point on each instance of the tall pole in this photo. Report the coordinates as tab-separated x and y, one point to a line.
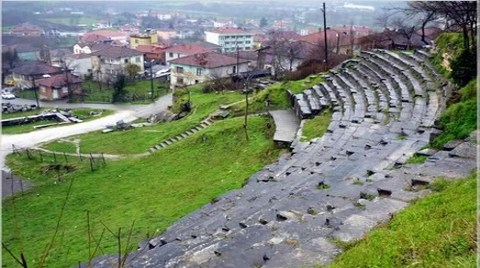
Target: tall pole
35	91
325	32
151	81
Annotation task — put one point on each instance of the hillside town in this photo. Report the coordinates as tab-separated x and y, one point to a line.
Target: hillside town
151	42
246	133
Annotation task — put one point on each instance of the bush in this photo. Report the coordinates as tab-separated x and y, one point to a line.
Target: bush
460	119
464	67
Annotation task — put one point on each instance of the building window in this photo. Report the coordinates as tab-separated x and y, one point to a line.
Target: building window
136	41
247	48
247	42
199	71
234	69
170	55
178	55
180	70
180	80
126	60
196	81
137	59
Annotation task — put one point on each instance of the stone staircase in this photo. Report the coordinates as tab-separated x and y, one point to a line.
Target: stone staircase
203	124
334	188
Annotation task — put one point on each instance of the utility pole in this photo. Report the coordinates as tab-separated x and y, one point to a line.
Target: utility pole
325	32
151	81
35	91
236	46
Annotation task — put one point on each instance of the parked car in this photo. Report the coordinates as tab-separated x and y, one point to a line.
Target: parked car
8	96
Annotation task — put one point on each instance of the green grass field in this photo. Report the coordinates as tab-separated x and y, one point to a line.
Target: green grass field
317	126
72	21
137	92
437	231
153	191
138	140
23	114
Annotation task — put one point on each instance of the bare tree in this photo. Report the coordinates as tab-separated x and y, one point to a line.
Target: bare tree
460	14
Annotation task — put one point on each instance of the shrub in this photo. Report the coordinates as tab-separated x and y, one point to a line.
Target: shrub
460	119
464	67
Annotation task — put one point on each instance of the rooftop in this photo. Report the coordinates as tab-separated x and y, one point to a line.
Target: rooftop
36	68
207	60
228	31
116	52
58	81
188	49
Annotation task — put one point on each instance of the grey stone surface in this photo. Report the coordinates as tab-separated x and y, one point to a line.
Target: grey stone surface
339	186
286	125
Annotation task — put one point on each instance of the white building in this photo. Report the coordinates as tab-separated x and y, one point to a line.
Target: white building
110	62
80	64
184	50
230	39
198	68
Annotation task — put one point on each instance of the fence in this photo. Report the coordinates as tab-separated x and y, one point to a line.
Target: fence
61	161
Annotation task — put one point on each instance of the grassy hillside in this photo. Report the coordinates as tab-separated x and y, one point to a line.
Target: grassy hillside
153	191
437	231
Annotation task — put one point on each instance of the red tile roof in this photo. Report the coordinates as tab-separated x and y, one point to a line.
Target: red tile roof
101	35
149	49
229	31
36	69
188	49
207	60
114	52
58	81
342	34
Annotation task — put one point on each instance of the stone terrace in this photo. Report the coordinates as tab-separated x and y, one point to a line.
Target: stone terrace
334	188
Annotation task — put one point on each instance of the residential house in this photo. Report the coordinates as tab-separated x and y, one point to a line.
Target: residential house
57	87
130	29
392	39
26	29
80	65
198	68
184	50
251	56
166	34
109	62
102	35
57	56
87	48
143	39
230	39
340	40
24	75
153	52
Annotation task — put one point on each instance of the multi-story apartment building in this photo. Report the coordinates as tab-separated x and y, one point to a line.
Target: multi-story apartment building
230	39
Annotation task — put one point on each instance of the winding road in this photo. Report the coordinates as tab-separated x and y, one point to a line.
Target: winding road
125	112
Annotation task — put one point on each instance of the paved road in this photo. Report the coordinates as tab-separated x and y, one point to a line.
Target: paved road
126	113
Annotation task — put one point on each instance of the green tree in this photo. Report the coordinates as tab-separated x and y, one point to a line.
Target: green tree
132	70
464	67
118	89
10	57
263	22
